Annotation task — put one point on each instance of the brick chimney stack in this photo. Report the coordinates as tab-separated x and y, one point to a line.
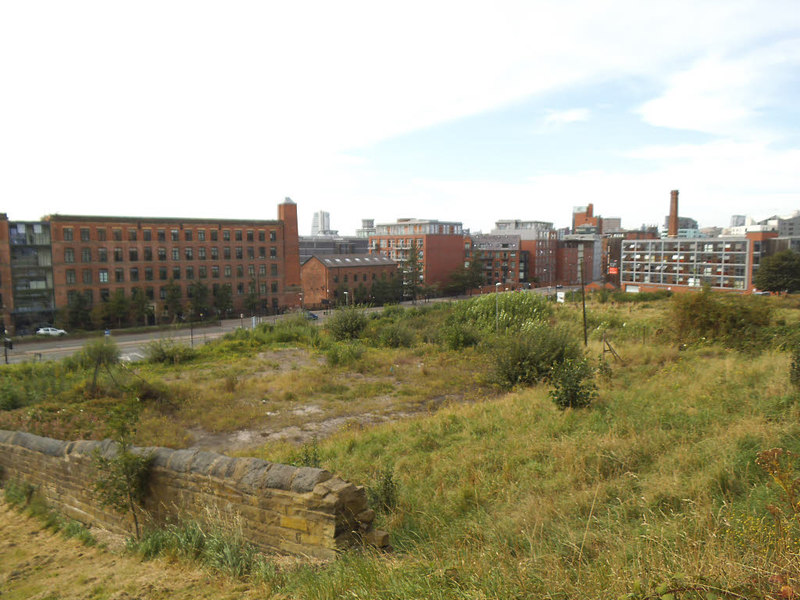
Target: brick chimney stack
673	214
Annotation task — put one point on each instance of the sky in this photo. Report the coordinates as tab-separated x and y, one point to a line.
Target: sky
461	111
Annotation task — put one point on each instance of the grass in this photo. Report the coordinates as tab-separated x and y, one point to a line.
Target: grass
651	490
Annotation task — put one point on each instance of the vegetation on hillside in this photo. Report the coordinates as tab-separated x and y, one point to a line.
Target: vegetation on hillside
672	472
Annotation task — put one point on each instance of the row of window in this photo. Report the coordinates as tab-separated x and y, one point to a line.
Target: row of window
364	278
149	292
163	273
174	234
175	253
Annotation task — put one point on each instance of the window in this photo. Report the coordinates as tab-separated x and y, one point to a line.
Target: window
239	254
101	235
188	253
272	236
240	288
189	272
262	252
239	271
116	234
86	255
187	235
202	272
162	235
105	295
249	235
148	253
147	235
103	276
273	252
226	235
149	293
70	276
262	235
69	255
215	272
131	235
162	254
84	234
173	235
119	275
148	273
201	235
72	297
274	287
273	270
345	278
251	253
176	254
226	253
251	270
262	270
89	296
162	273
335	279
214	234
133	254
162	293
134	274
214	253
176	273
201	253
117	254
227	270
68	234
238	235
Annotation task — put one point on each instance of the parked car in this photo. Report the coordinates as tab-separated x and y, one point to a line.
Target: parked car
50	331
311	316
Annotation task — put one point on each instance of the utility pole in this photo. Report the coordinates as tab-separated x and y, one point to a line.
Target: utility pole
583	295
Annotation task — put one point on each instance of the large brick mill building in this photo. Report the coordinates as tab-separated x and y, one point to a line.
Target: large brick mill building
52	261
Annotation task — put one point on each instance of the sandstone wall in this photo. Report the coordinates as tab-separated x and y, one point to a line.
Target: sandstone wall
296	510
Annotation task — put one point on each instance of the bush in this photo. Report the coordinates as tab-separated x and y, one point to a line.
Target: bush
736	321
383	495
573	384
344	353
456	336
509	312
529	358
794	368
396	335
168	351
347	323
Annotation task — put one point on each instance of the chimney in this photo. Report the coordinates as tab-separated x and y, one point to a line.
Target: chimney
673	214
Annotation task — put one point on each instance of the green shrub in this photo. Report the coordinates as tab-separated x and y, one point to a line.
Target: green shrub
382	495
573	384
736	321
347	323
528	358
168	351
507	312
396	335
456	336
794	368
344	353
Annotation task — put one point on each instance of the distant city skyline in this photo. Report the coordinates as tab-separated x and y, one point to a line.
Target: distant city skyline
514	110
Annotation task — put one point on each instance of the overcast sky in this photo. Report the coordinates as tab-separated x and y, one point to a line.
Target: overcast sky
470	111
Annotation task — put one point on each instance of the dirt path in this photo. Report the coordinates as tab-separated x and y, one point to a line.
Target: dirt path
37	564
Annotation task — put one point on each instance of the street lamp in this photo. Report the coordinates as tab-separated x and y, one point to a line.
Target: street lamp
497	307
345	298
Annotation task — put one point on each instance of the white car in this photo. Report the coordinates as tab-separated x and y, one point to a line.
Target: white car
50	331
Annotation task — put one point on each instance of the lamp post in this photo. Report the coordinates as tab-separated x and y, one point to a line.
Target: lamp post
345	299
497	307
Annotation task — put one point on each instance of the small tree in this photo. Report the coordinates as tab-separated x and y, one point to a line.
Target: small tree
99	353
411	272
172	302
779	272
573	384
121	478
347	323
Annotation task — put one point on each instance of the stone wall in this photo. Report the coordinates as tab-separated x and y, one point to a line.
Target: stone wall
295	510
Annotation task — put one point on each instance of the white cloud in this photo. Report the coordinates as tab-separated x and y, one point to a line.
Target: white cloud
563	117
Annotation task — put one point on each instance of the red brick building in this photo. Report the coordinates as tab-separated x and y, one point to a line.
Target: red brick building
439	246
326	278
96	256
6	289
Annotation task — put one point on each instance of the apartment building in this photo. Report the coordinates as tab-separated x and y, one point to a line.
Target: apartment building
344	278
54	261
540	241
439	246
501	256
